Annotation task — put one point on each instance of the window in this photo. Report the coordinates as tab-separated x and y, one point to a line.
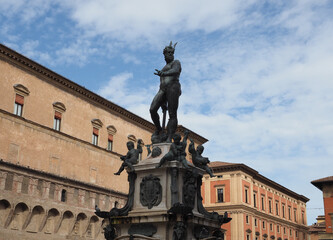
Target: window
110	142
18	106
247	219
271	227
295	215
290	232
289	212
296	233
277	207
263	203
220	196
283	211
247	237
303	222
284	230
57	120
278	228
59	109
63	195
270	205
20	92
263	225
95	136
255	199
255	222
246	195
97	124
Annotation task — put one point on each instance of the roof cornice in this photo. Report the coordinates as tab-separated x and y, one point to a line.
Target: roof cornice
56	79
256	175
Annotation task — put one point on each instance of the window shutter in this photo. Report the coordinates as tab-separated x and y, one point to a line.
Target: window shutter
95	131
19	99
110	137
57	115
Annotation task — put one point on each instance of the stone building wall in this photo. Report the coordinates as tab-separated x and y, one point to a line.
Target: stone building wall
39	205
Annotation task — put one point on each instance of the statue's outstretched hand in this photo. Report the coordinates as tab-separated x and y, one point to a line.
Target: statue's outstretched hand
158	72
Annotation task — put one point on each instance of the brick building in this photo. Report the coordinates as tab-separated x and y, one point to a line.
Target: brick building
261	209
59	147
322	230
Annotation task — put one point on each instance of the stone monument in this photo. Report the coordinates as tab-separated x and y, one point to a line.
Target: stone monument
164	199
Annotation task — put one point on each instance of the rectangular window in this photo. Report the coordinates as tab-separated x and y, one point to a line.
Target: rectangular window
263	203
278	228
295	215
255	199
270	205
247	237
18	107
277	207
247	219
290	232
246	195
110	142
263	225
303	222
220	195
283	211
57	121
284	230
271	227
255	222
289	212
296	233
95	136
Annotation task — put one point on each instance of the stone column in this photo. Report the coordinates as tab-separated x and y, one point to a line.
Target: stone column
70	196
17	183
92	199
46	189
57	192
3	176
81	200
32	189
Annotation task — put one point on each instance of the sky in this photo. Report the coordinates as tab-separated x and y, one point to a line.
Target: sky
257	76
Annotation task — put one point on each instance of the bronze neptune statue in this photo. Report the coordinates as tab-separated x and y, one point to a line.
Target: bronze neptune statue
168	94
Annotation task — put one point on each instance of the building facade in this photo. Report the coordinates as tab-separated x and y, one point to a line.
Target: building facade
59	147
322	230
260	208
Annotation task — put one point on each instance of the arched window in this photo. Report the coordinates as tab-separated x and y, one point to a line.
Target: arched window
59	109
20	93
111	132
97	125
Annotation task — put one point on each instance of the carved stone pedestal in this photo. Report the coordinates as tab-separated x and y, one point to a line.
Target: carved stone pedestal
164	203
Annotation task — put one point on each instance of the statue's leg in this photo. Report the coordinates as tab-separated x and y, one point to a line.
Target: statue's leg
173	94
155	105
120	169
209	171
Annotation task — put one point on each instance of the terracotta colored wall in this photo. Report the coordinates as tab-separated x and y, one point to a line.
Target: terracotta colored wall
225	184
328	205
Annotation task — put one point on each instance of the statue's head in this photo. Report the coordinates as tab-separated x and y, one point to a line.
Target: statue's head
168	52
130	145
176	138
200	149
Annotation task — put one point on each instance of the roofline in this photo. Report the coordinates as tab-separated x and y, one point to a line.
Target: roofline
319	183
256	175
15	58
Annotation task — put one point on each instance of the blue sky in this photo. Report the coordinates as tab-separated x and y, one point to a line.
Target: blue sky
257	77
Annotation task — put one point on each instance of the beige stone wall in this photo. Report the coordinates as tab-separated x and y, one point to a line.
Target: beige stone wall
32	207
44	149
76	120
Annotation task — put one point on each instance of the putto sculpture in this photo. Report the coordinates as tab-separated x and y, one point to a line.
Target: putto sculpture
168	95
177	151
198	160
131	157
